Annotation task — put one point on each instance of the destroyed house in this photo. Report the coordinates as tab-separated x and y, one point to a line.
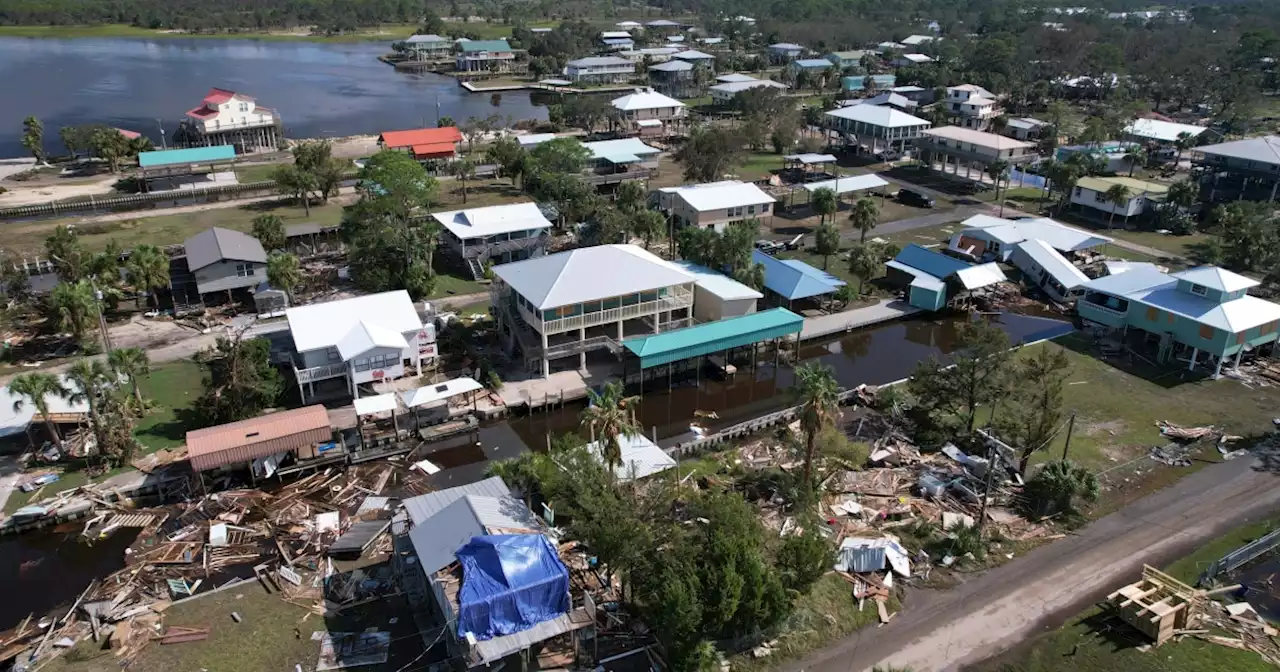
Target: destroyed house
264	444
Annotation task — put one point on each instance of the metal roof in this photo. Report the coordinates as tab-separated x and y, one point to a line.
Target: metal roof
17	412
493	220
738	87
1059	236
430	394
641	458
589	274
379	404
173	157
603	149
672	66
213	245
718	196
844	185
246	440
1051	261
1263	149
437	538
645	99
821	63
712	337
615	34
793	279
735	77
533	139
484	45
980	275
876	115
591	61
810	158
421	136
719	284
365	336
979	138
1216	278
324	325
1135	186
693	55
859	82
420	39
423	507
1116	267
786	46
1233	316
1132	280
1164	131
934	263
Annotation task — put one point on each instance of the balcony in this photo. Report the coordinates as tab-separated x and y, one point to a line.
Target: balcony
318	373
484	250
211	127
679	298
643	173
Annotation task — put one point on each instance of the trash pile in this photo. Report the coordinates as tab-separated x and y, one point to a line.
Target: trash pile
1246	630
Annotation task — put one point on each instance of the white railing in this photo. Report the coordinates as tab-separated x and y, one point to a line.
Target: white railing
575	347
315	373
672	302
210	127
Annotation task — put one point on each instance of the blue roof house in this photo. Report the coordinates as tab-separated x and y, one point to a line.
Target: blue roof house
931	278
792	279
859	82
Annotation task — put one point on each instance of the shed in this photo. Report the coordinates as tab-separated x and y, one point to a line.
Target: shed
299	430
792	279
717	296
641	458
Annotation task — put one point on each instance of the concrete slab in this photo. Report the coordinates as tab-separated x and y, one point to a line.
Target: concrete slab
886	310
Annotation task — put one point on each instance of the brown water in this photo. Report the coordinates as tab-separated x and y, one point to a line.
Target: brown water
41	571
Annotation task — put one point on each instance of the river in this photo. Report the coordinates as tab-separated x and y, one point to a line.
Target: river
320	90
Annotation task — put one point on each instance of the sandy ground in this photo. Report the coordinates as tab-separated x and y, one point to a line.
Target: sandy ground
18	194
14	166
939	631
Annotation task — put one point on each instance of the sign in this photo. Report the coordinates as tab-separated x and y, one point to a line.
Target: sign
289	575
379	374
429	350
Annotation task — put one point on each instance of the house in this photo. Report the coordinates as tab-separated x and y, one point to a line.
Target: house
675	39
615	34
917	40
1201	310
586	300
262	444
1248	168
993	238
18	415
695	57
674	78
1109	156
847	59
627	25
1024	128
650	54
735	78
717	296
910	60
887	99
784	52
641	458
724	94
618	43
890	46
650	113
873	128
1043	267
424	144
1091	192
1159	131
223	260
498	234
229	118
713	42
599	70
365	339
947	145
973	106
718	204
855	83
612	161
916	94
485	56
810	65
792	280
932	279
428	47
662	25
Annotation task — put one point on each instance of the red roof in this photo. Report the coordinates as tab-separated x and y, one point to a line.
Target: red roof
421	136
218	96
132	135
202	113
436	149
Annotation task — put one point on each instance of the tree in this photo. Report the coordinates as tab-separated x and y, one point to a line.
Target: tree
1183	194
1056	487
826	242
239	381
1136	156
998	171
804	558
751	275
110	145
73	305
269	230
824	202
1117	196
132	363
284	272
999	123
630	197
37	389
464	170
322	172
864	216
445	122
864	261
709	153
69	256
148	270
395	184
818	395
293	181
1183	142
1032	412
33	138
560	156
88	377
507	154
978	376
647	224
610	417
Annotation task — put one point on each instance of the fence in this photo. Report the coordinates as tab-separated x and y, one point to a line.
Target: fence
1242	556
1021	178
749	427
141	201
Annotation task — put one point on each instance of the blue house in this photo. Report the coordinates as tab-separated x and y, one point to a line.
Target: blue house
1205	309
930	279
791	279
810	65
859	82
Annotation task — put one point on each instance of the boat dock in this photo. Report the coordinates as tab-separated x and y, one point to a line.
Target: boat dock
835	323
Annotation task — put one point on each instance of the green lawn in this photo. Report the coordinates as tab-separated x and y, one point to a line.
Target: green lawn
171	389
1092	642
452	285
758	165
256	172
1180	246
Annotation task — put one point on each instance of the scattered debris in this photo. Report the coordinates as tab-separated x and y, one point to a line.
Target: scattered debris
1177	433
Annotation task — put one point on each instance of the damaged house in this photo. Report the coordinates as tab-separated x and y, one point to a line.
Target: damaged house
931	280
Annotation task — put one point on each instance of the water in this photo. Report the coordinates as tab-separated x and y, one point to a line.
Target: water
40	571
320	90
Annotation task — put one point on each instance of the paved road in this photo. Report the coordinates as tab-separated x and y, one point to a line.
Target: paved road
942	630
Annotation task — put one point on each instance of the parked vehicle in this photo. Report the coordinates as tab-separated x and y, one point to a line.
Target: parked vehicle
915	198
768	246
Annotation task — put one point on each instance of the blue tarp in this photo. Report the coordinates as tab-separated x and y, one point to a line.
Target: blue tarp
510	582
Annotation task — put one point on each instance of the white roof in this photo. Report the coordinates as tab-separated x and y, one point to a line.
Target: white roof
604	149
719	284
693	55
721	195
615	35
379	404
786	46
672	66
891	45
981	275
323	325
1116	267
972	88
844	185
914	40
1165	131
431	394
1057	235
675	38
16	421
1053	263
1263	149
627	24
589	274
917	58
711	40
738	87
733	77
645	99
875	115
493	220
988	140
1216	278
640	458
535	139
810	157
366	336
910	88
649	123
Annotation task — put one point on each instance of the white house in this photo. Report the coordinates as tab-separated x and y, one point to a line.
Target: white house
229	118
1043	267
645	106
908	60
917	40
498	234
717	296
783	52
1164	132
988	237
1090	192
600	69
973	106
365	339
874	127
725	93
716	205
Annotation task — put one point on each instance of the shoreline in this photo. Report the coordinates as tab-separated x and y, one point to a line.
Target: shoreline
392	33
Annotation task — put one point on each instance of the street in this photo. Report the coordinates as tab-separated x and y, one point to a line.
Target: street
943	630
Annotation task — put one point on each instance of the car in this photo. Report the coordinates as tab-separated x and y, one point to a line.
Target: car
768	246
910	197
889	155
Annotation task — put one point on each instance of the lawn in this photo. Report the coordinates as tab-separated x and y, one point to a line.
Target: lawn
256	172
758	165
1180	246
1091	643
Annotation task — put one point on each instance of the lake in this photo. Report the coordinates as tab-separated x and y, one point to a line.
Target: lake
320	90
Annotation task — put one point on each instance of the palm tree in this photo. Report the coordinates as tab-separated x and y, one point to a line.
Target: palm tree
1184	142
269	230
818	395
826	242
1117	195
999	123
610	416
1183	194
283	272
1136	156
148	269
751	275
37	389
864	215
630	197
864	261
88	377
998	170
465	171
824	202
132	363
73	304
647	224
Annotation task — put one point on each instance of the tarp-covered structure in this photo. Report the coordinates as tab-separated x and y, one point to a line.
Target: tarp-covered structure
510	583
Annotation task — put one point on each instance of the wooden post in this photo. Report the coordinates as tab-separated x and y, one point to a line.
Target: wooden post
1071	424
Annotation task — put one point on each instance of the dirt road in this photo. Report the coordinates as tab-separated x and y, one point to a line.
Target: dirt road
940	631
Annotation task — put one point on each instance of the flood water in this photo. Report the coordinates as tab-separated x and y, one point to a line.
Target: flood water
320	90
40	571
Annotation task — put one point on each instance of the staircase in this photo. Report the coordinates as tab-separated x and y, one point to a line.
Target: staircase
476	266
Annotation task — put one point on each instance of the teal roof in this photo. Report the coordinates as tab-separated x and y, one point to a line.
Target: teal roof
712	337
173	157
859	82
485	45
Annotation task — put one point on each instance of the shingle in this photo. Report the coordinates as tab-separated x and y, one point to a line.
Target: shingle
213	245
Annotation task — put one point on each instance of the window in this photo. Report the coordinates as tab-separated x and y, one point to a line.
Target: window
764	207
333	355
244	270
244	107
1199	290
378	362
1079	191
751	209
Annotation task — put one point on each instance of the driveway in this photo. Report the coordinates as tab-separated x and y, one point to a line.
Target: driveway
942	630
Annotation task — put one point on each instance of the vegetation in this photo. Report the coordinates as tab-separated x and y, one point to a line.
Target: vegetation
864	216
818	396
284	272
1056	487
239	381
610	418
148	269
36	389
950	396
269	230
1031	413
388	250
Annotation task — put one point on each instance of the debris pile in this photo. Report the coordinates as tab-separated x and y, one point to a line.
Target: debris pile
1246	630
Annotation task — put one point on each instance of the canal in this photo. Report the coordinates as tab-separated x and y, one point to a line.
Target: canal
320	90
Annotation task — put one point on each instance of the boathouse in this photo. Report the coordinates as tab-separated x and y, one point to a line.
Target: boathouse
676	352
932	279
791	280
263	444
192	168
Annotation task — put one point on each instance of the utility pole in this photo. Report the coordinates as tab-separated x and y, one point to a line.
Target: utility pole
162	143
991	470
102	321
1071	424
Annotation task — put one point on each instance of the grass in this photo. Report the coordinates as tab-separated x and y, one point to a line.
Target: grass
256	172
171	389
451	285
385	32
758	165
1180	246
1091	643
